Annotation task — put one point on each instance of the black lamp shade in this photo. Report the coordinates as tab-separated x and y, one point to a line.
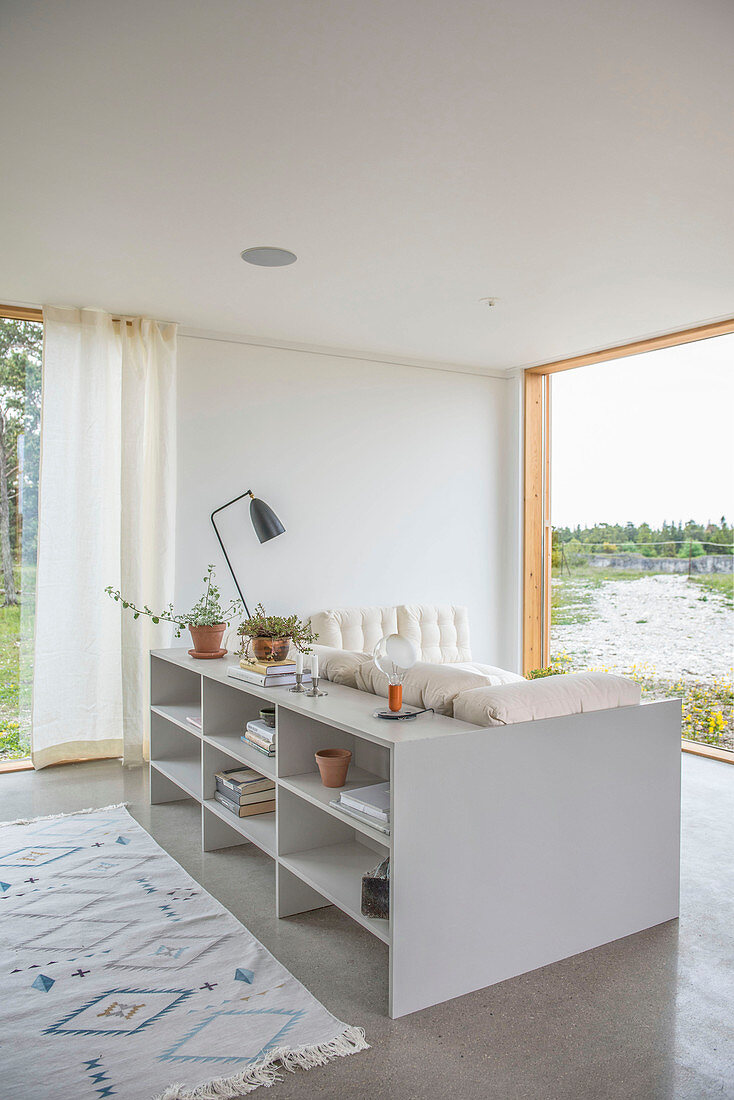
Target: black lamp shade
264	520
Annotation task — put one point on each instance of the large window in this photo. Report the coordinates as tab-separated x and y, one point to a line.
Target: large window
21	346
629	510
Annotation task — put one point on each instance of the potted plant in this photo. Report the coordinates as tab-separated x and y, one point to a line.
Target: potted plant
271	635
206	620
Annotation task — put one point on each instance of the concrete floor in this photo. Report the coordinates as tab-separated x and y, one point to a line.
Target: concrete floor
644	1018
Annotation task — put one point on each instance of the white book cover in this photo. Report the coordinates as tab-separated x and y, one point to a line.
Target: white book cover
373	800
357	815
261	728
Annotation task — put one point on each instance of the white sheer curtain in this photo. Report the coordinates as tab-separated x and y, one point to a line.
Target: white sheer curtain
106	516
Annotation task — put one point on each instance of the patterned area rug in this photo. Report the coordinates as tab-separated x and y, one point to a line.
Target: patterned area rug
121	975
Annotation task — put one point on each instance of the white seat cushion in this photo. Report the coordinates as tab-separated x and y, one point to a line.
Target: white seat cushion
548	697
493	675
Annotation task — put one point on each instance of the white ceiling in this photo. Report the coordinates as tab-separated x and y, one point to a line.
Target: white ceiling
574	158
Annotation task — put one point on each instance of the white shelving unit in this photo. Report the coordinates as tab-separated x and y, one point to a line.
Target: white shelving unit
485	823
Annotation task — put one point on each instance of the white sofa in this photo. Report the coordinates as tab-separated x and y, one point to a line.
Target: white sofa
445	678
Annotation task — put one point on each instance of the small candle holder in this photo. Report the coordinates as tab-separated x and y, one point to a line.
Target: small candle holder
314	692
299	688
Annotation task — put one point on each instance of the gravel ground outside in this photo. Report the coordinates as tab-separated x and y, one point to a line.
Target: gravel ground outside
677	628
674	636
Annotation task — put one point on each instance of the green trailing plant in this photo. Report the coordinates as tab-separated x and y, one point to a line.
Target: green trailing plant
262	625
207	611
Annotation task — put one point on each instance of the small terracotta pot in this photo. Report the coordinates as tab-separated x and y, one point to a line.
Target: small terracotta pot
270	649
395	696
207	639
333	765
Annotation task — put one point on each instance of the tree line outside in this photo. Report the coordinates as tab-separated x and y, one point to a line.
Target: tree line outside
670	540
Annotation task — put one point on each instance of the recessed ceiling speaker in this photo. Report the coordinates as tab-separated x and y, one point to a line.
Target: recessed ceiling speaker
264	256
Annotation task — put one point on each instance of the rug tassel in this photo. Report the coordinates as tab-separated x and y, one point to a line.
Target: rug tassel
74	813
267	1073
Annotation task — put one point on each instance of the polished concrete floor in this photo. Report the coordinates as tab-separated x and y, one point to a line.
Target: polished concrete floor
644	1018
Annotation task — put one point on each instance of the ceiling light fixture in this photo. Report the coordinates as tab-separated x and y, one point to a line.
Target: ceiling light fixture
265	256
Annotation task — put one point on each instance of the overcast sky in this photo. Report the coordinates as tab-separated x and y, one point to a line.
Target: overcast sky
648	438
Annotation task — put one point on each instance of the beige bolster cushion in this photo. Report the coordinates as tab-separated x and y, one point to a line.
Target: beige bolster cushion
548	697
339	665
425	685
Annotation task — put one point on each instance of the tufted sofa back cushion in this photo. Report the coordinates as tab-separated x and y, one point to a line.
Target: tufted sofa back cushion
440	633
356	628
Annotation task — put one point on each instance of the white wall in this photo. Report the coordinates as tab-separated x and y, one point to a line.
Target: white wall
395	484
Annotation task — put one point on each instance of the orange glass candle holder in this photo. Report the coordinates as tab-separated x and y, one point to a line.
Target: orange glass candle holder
395	696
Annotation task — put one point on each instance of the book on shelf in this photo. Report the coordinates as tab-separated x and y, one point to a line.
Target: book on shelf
241	781
261	729
366	819
255	739
260	680
245	811
194	720
268	668
258	748
246	799
373	800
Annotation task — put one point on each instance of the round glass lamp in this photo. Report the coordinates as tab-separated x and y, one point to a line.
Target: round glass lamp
395	655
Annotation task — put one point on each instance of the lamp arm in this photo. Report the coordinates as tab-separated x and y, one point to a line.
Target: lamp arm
226	555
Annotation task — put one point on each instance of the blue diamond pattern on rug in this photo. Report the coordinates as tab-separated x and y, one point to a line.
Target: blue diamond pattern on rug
153	981
43	983
119	1012
74	935
266	1028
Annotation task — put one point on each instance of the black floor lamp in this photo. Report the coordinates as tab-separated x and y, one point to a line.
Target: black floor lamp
266	524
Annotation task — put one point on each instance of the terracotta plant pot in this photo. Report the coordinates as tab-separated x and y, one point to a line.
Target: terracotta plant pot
270	649
333	765
208	640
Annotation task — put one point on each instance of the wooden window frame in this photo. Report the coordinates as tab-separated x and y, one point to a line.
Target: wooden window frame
20	313
537	536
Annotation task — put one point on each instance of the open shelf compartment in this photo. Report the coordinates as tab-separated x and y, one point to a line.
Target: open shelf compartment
226	713
258	829
329	856
176	755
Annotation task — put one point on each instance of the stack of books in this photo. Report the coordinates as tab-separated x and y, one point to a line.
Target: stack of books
368	804
267	673
244	792
259	735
